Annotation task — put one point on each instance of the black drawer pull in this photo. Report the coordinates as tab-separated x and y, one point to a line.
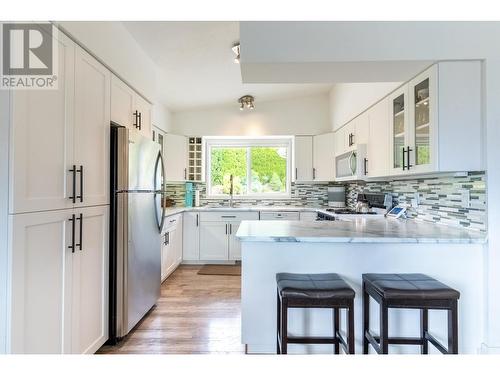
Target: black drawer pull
73	196
72	246
79	245
80	170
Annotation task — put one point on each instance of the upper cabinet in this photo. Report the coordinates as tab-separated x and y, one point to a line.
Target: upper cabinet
377	158
324	157
59	153
435	121
303	158
129	108
195	159
175	154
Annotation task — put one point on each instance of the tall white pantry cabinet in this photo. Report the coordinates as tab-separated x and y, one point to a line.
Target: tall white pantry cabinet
55	189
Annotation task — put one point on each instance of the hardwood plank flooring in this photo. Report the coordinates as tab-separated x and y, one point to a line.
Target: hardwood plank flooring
196	314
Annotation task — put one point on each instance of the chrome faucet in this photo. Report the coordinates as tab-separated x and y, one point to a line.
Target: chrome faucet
231	190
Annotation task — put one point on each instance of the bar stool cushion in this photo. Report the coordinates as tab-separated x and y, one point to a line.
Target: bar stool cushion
409	286
313	286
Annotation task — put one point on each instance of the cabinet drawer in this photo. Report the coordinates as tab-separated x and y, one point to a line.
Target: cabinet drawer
284	215
171	222
228	216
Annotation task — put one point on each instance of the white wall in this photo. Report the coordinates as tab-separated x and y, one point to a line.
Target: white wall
112	44
347	100
306	115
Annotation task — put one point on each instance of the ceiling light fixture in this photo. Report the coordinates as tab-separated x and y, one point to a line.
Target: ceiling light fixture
236	50
246	101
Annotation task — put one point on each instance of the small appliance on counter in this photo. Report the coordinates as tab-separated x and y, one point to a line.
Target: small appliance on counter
336	196
188	199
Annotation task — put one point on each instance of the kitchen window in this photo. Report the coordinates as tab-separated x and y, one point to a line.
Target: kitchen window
260	167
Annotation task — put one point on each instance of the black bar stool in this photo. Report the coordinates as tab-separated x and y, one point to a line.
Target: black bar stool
409	291
314	291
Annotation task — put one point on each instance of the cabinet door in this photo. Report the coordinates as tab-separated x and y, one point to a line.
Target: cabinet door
91	134
144	109
42	140
90	280
423	122
303	158
339	139
122	103
175	157
398	127
178	242
361	130
323	157
41	282
191	236
378	154
214	241
234	243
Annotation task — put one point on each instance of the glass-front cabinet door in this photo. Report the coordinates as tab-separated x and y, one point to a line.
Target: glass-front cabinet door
398	110
422	145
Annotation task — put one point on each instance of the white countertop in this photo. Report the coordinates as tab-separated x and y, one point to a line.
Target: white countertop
360	230
176	210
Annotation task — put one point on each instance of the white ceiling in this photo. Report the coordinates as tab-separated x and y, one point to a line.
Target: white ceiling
196	61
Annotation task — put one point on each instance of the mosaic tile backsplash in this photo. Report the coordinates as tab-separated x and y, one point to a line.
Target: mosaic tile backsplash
440	198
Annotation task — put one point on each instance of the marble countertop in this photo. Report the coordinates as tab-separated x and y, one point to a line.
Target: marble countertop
169	211
356	230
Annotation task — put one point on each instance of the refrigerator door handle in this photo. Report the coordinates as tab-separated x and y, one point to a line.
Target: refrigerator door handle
159	164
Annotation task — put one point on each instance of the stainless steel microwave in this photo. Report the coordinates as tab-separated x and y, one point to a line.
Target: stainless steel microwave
351	165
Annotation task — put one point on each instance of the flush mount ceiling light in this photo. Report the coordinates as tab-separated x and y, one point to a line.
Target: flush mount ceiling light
246	101
236	50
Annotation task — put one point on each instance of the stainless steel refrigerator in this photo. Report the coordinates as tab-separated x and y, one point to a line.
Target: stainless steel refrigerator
136	222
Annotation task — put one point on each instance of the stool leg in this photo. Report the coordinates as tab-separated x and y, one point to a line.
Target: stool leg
424	327
336	328
366	319
453	329
350	328
284	325
384	328
278	323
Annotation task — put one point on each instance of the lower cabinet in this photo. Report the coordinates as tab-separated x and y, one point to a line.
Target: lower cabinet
59	283
218	240
191	236
171	250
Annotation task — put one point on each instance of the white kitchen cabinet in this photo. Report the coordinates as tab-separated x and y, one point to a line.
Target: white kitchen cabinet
308	216
59	281
378	150
41	152
218	229
362	128
60	138
90	281
303	156
435	121
279	215
129	108
191	236
214	241
323	157
233	242
172	244
175	156
92	129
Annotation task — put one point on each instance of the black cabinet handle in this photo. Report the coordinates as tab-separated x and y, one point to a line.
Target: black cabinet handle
314	173
197	220
408	149
72	246
140	120
136	115
366	168
73	196
295	173
226	229
79	245
167	238
230	228
404	165
80	170
185	173
228	216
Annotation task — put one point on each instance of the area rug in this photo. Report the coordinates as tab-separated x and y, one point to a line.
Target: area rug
217	269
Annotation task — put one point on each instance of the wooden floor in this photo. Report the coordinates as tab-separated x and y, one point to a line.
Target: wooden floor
196	314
